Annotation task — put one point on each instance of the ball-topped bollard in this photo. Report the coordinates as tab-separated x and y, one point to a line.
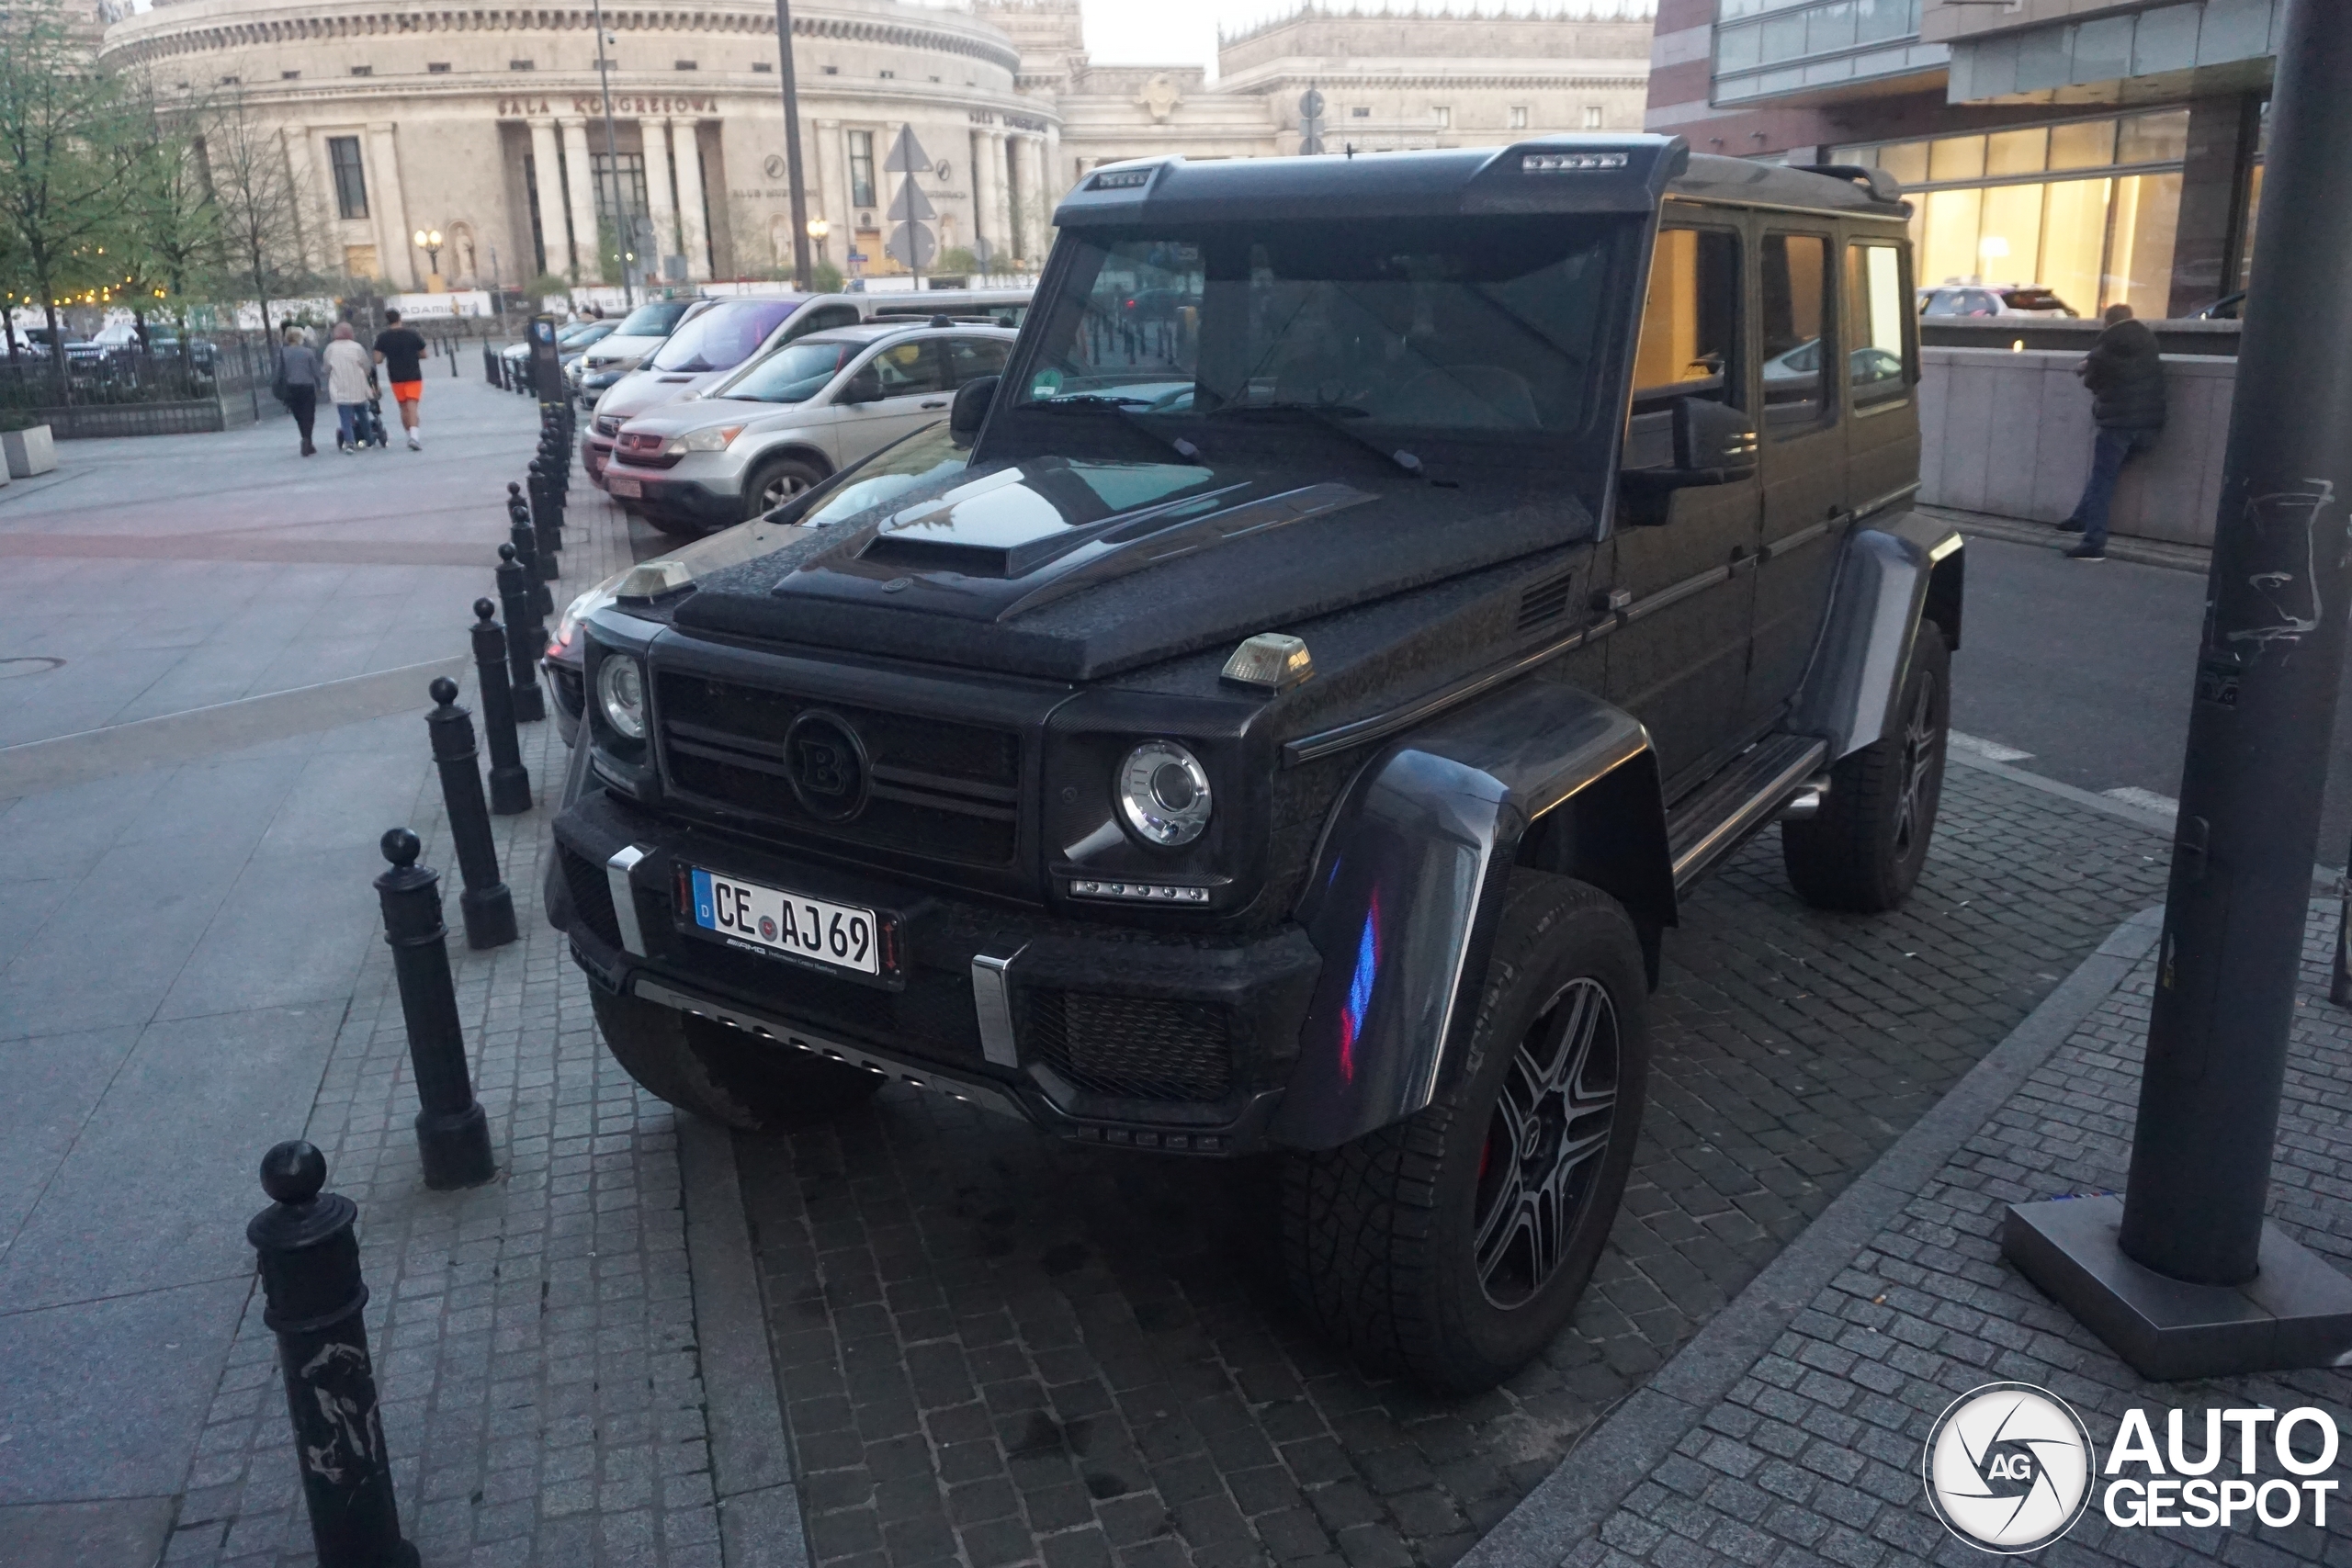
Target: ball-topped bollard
488	907
525	635
525	537
452	1133
310	1283
510	782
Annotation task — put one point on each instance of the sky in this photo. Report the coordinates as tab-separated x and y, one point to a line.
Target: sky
1183	32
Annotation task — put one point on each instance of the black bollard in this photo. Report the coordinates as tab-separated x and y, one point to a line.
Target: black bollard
452	1133
510	782
310	1279
525	540
527	634
487	906
543	523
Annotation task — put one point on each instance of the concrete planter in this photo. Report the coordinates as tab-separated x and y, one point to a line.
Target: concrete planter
2009	432
28	452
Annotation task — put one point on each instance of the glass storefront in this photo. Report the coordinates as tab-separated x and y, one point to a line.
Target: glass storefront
2085	208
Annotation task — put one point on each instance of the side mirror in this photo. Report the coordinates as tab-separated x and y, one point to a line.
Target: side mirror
1703	442
866	387
971	407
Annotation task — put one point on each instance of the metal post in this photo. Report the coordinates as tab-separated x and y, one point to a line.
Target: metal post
795	188
527	636
510	782
525	540
487	906
452	1133
2190	1226
309	1280
544	519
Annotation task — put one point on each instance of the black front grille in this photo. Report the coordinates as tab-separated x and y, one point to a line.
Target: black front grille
938	789
591	896
1133	1047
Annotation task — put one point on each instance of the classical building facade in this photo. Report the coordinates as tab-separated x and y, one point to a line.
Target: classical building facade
490	125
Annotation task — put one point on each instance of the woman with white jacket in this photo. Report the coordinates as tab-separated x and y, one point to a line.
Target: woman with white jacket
348	368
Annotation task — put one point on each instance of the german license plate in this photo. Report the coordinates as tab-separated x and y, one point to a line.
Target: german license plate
841	935
622	484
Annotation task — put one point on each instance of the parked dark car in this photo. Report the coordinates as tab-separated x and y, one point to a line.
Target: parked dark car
1310	766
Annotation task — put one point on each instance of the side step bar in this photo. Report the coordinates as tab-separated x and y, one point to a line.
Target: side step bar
1733	805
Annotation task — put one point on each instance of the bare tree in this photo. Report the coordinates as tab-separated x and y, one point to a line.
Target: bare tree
64	133
264	213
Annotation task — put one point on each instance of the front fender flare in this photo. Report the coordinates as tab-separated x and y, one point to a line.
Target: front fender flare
1402	901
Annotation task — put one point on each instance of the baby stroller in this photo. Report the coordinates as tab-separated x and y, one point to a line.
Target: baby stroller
371	424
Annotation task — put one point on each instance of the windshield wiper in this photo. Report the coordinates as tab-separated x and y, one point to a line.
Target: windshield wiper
1332	417
1123	407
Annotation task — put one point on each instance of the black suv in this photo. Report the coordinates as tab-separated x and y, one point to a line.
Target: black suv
1292	730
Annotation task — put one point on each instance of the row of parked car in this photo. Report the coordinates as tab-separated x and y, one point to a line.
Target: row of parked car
706	412
117	341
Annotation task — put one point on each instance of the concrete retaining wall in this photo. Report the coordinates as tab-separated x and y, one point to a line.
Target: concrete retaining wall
2010	433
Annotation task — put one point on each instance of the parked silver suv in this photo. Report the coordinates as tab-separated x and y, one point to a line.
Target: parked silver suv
786	421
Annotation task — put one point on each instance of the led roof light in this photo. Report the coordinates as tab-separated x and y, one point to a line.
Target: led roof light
1269	661
1119	179
1568	162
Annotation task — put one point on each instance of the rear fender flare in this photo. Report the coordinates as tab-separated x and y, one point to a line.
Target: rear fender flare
1889	577
1403	899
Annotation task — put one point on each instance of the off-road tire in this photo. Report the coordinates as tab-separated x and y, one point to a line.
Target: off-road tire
1863	851
723	1075
786	476
1380	1236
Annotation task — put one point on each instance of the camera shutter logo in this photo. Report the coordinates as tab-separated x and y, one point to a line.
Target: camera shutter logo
2010	1468
826	763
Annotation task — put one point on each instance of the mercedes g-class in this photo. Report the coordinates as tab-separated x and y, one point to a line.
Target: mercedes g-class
1292	731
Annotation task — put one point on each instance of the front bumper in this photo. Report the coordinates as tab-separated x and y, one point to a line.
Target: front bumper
1097	1034
690	503
595	451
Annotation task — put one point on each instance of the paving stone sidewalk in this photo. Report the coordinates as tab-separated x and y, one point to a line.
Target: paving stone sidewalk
997	1349
1814	1455
535	1338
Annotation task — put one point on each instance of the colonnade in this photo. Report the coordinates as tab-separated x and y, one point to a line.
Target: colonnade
675	211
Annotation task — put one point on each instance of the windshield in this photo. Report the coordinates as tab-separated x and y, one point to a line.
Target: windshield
653	319
891	474
723	336
1495	327
793	374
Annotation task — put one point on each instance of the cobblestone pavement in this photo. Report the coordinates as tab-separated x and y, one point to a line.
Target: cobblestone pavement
535	1338
996	1349
1815	1456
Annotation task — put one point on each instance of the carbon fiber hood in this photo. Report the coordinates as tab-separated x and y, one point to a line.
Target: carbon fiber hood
1075	570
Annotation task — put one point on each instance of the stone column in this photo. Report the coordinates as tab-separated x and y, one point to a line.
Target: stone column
999	218
661	204
1030	190
833	199
394	255
687	142
1056	181
580	185
983	192
546	180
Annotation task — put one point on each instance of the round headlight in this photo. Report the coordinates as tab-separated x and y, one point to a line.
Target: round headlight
620	691
1164	792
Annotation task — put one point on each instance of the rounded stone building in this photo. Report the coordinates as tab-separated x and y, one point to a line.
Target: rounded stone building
489	125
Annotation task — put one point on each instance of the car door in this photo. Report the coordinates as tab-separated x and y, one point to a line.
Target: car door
898	388
1677	659
1802	453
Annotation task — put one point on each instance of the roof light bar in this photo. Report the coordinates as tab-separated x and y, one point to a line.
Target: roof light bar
1119	179
1568	162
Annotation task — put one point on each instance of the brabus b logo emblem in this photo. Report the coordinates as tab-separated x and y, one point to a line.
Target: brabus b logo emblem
2008	1468
826	765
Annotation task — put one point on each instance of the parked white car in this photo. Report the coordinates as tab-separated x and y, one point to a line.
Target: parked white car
786	421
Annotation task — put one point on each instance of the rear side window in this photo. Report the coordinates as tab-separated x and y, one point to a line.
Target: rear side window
1690	343
970	359
1879	365
823	318
1796	310
907	369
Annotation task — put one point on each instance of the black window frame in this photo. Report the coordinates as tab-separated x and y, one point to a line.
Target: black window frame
1789	424
350	176
861	183
1867	397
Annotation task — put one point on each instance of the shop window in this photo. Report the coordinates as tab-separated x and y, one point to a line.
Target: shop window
1956	158
2153	137
1906	160
1795	308
2086	144
1690	341
350	178
2017	152
1878	367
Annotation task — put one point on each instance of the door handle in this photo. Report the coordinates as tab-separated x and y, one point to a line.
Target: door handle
940	404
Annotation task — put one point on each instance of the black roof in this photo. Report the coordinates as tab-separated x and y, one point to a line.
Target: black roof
1554	174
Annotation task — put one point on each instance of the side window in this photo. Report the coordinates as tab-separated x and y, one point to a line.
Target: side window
1878	367
822	318
970	359
1796	310
1690	341
907	369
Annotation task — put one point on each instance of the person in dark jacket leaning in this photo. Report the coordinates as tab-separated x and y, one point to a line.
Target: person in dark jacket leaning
2125	377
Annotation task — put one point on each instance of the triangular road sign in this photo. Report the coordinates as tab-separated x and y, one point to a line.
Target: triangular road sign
906	154
911	202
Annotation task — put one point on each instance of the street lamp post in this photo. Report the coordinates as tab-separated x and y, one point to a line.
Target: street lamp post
818	229
792	144
625	234
429	242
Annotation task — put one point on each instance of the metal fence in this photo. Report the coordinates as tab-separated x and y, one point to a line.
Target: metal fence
215	381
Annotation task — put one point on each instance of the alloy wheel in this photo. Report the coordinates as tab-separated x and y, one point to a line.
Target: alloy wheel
1544	1143
1919	766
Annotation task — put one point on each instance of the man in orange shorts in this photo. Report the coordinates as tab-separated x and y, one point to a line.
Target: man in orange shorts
401	351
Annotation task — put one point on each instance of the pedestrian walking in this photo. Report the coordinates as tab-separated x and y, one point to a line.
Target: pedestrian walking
348	372
2125	374
300	370
401	351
